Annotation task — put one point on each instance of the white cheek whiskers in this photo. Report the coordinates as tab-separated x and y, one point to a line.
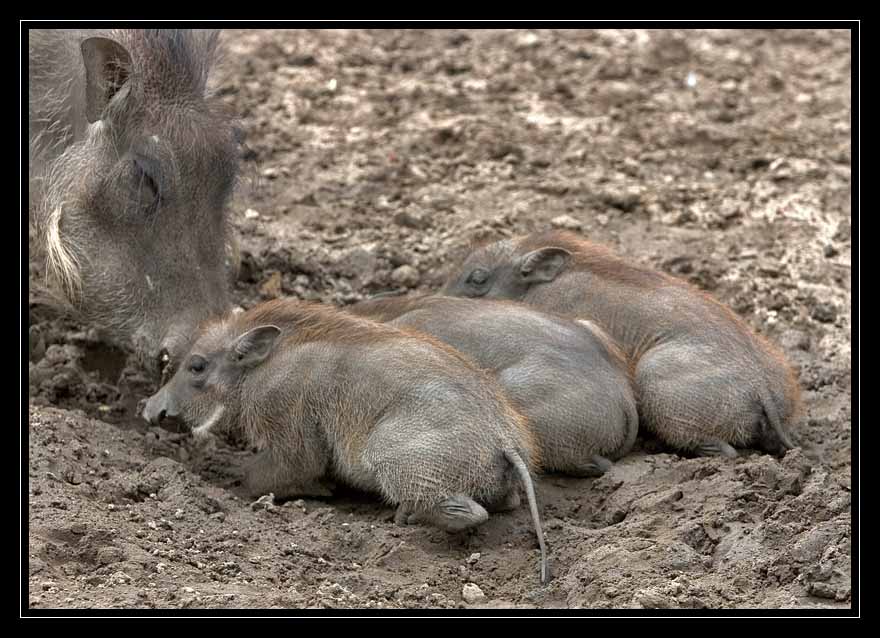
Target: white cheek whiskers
202	430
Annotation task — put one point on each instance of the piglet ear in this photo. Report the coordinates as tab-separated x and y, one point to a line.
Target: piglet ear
254	346
108	65
544	264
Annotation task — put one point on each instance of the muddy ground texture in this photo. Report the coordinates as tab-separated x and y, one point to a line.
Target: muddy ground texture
373	159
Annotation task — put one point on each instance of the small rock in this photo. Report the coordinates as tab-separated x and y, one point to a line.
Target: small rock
626	200
541	162
120	578
48	584
830	251
472	594
824	312
652	599
473	558
826	590
566	221
410	220
250	213
301	504
265	502
527	40
405	276
110	555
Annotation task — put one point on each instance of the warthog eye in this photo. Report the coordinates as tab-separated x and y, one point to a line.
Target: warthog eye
197	364
478	277
146	181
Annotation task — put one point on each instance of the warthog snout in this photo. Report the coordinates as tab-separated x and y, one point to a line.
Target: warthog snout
159	407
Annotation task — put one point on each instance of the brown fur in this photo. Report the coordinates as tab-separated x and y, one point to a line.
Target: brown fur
605	264
746	392
552	425
601	262
390	308
308	322
305	322
597	259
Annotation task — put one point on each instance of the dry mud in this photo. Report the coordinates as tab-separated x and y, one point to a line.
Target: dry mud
374	158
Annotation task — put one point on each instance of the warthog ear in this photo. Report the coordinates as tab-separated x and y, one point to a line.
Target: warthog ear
255	345
543	264
108	65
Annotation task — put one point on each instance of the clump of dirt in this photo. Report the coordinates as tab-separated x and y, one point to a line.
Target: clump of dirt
722	157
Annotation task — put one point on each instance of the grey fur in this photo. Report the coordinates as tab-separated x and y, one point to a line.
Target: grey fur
129	211
702	376
565	377
347	399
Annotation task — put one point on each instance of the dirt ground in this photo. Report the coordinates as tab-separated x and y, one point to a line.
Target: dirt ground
374	158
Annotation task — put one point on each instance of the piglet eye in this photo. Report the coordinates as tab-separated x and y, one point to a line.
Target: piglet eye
478	277
197	364
145	179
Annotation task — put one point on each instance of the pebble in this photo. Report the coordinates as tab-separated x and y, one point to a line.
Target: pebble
824	312
472	593
265	502
411	220
566	221
405	276
527	40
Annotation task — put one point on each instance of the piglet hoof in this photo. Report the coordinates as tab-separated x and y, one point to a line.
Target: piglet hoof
403	515
457	513
319	489
596	466
717	448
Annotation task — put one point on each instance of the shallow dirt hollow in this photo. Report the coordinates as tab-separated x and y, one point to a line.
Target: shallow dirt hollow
374	158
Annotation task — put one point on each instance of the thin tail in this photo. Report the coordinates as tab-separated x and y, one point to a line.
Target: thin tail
632	431
516	461
775	422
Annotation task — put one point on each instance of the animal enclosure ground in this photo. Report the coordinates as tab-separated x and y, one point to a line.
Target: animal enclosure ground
373	159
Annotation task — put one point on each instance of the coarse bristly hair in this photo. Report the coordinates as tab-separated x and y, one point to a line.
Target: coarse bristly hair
306	322
170	70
